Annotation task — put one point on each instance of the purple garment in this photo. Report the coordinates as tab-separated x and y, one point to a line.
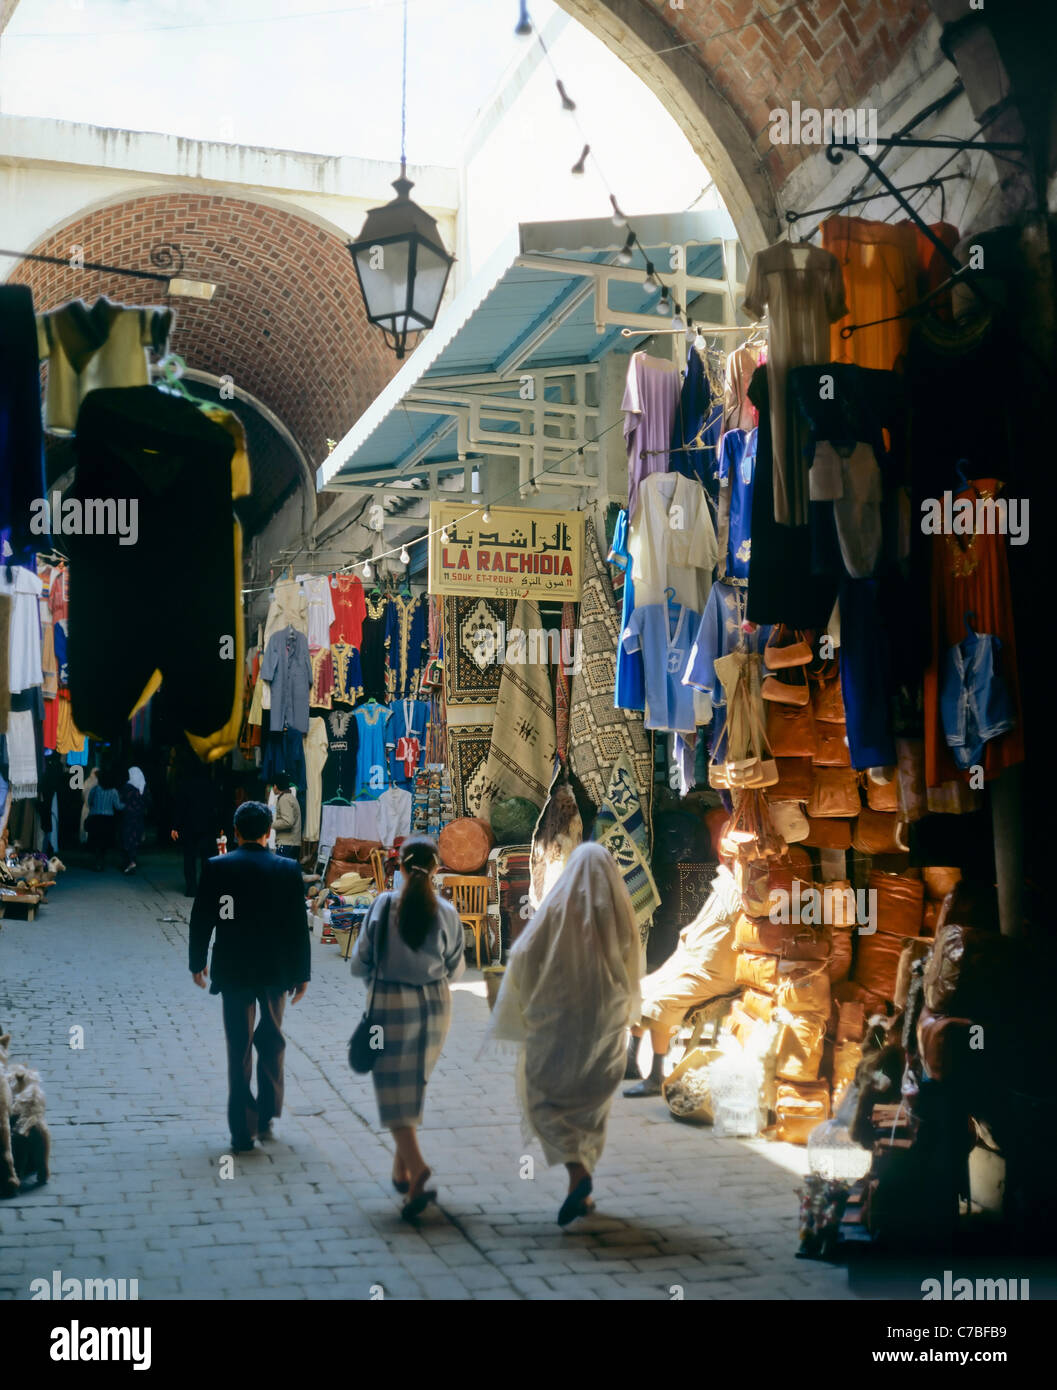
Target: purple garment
651	395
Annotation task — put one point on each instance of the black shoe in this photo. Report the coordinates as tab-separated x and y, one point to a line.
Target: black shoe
646	1087
266	1132
242	1146
576	1204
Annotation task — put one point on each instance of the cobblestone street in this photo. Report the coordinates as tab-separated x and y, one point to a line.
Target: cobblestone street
138	1124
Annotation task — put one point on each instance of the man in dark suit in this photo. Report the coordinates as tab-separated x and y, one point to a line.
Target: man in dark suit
255	902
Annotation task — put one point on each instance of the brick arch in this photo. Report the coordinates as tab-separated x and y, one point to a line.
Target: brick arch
286	323
721	66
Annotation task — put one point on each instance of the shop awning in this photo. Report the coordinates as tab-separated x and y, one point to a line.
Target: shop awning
551	301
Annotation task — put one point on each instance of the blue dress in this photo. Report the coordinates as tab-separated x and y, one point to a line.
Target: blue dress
372	759
630	689
737	468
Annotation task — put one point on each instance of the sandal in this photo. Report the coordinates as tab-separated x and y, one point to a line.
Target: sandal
576	1204
421	1198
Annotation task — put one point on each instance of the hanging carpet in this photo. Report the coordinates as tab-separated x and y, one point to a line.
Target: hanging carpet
474	628
598	733
524	742
468	758
621	828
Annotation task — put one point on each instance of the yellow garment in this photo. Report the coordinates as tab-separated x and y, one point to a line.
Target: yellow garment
316	750
878	261
219	744
288	608
91	348
68	738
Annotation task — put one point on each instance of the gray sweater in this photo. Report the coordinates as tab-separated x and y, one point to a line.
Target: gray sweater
440	957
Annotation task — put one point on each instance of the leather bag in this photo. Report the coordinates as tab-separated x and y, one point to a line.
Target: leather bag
834	794
791	692
758	1005
795	780
838	966
353	851
880	832
877	964
787	940
799	1108
900	903
831	747
828	833
362	1053
939	881
826	698
800	1048
791	731
803	990
758	971
786	646
789	820
882	796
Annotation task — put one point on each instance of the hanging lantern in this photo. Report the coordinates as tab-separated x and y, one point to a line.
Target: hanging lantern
402	266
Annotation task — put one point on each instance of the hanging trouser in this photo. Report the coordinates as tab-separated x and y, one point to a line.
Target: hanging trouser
866	675
160	601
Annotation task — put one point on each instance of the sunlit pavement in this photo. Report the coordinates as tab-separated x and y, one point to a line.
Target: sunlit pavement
138	1124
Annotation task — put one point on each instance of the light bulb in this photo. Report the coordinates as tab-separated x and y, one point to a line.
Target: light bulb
567	102
651	282
486	516
524	24
366	570
405	558
444	535
678	324
624	255
581	163
619	220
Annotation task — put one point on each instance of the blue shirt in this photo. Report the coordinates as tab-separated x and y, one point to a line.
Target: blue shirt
664	633
372	757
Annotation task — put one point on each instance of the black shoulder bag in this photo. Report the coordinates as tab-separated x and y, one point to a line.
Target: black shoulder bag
362	1056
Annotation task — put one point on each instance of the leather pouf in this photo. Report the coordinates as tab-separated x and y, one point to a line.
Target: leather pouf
465	844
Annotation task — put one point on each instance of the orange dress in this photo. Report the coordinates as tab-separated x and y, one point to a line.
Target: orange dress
970	574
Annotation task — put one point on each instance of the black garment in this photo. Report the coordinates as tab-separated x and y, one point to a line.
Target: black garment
865	402
101	832
343	743
255	902
169	602
373	649
21	432
781	585
247	1116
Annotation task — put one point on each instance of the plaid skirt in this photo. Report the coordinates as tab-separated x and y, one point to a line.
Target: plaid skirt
414	1021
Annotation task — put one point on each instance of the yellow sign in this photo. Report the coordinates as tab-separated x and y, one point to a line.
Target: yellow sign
518	552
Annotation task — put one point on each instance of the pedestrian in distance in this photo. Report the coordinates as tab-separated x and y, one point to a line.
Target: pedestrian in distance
136	800
569	993
287	818
254	901
413	945
104	804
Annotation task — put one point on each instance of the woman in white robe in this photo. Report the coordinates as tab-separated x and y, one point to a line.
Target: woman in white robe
569	993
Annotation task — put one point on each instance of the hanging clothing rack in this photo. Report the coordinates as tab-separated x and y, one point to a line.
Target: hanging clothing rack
851	328
165	256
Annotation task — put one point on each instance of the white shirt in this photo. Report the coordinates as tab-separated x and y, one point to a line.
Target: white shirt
24	640
672	541
316	589
394	814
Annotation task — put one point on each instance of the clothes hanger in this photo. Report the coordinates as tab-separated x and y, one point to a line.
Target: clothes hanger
338	800
669	594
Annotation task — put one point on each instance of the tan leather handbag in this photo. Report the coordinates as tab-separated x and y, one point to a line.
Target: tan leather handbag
900	903
831	749
786	646
791	731
938	881
803	989
882	796
879	832
828	833
759	971
796	691
838	967
826	698
835	793
877	964
800	1107
795	780
787	940
800	1048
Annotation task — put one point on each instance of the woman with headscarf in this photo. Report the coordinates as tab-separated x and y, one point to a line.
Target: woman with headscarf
134	819
570	990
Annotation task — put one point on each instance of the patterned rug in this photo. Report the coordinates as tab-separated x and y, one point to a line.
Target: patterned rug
599	733
468	757
524	742
472	671
622	829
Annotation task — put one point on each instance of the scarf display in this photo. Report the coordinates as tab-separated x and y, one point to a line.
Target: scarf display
621	829
21	755
524	743
598	733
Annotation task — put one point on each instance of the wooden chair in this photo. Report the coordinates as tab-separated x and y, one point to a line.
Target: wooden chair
470	898
378	869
